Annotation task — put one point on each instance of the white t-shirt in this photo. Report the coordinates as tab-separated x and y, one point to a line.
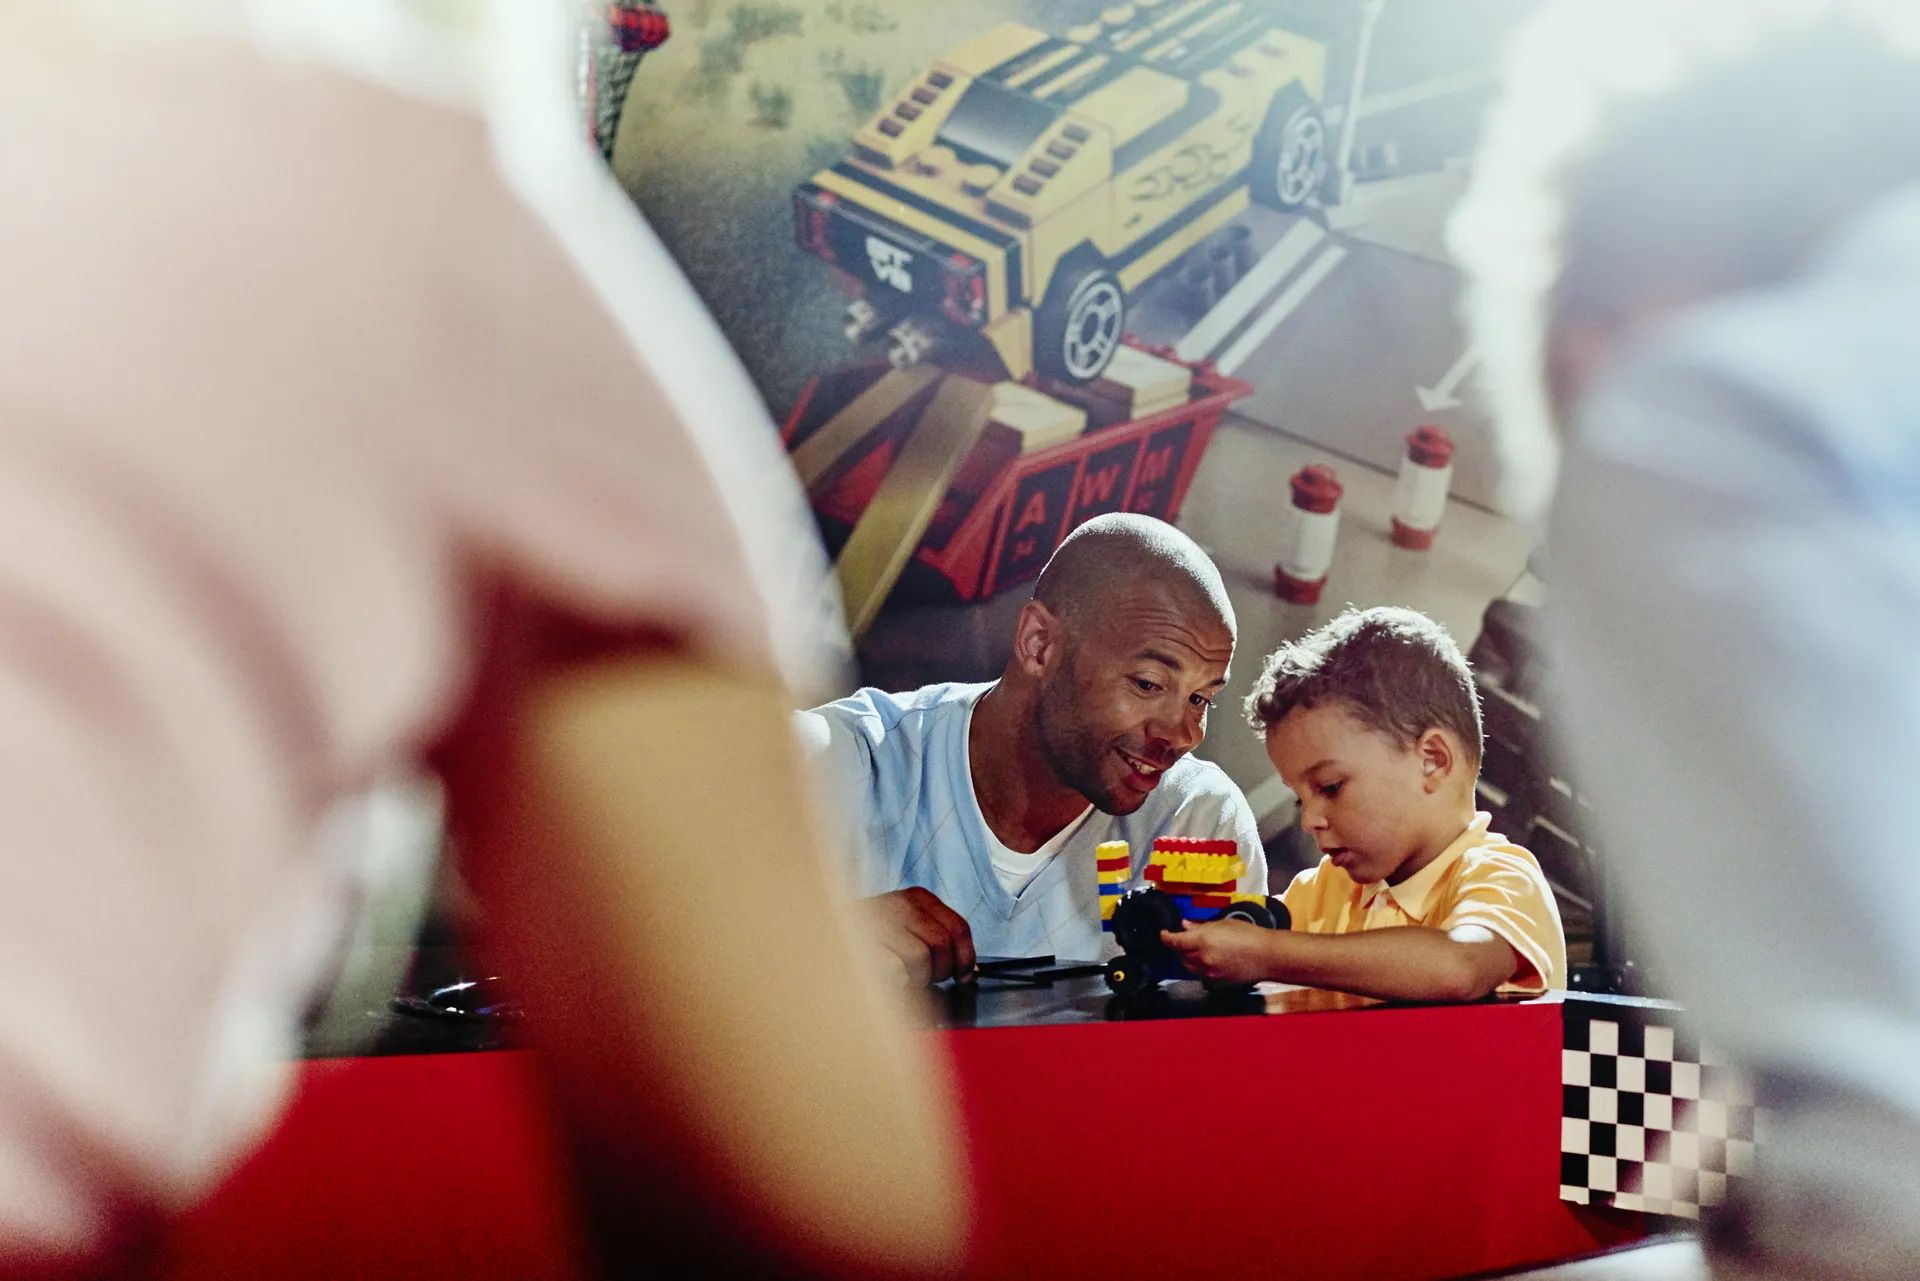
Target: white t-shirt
1014	869
288	382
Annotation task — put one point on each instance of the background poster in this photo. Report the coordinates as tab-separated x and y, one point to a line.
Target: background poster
1341	326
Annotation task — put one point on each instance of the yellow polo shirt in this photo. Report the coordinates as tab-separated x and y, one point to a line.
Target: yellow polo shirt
1480	879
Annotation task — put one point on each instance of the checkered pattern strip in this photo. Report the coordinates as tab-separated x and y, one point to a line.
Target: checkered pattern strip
1649	1120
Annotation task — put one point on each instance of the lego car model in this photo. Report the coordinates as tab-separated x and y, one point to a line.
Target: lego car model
1024	184
1188	879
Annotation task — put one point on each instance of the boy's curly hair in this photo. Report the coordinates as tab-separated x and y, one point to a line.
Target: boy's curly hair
1394	669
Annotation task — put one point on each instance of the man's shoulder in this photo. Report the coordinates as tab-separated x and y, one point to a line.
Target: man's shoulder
880	717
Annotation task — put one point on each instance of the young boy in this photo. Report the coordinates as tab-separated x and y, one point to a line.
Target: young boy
1374	722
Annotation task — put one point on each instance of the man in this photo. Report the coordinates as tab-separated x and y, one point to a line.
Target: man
317	452
1694	238
976	808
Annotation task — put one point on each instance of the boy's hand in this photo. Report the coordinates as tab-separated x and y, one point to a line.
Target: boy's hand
1225	951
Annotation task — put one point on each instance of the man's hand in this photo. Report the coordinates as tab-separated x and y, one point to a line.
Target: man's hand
932	940
1225	951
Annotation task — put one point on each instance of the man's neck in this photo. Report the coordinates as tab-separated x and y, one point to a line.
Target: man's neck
1024	805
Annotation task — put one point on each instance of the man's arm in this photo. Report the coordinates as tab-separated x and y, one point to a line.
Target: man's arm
739	1088
1405	963
931	941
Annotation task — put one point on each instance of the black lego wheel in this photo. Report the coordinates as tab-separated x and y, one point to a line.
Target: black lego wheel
1256	913
1138	919
1290	151
1282	918
1127	975
1078	326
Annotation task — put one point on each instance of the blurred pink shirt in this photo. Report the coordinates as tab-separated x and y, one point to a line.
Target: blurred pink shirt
287	376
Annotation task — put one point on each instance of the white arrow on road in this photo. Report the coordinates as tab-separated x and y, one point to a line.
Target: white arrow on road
1438	397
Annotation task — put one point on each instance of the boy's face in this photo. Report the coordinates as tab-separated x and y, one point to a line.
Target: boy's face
1367	800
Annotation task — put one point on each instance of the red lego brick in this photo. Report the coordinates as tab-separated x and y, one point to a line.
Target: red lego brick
1195	845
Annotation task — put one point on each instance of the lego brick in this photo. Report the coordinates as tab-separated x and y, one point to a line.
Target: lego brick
1195	887
1144	384
1107	904
1198	913
1213	900
1196	845
1211	869
1032	419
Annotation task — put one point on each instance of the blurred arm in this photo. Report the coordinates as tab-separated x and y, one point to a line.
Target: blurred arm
638	833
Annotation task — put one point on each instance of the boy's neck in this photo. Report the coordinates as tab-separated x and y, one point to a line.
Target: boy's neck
1439	839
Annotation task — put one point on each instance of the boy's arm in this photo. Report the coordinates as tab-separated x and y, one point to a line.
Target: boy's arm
1405	963
638	830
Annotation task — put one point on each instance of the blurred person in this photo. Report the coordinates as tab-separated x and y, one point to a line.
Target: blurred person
318	453
1693	238
1373	721
975	809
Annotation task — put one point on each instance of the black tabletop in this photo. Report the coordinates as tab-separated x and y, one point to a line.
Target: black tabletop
451	1002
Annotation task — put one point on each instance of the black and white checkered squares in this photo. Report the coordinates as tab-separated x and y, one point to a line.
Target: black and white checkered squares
1649	1120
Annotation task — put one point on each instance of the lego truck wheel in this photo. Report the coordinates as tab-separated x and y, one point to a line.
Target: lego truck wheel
1127	975
1077	328
1290	153
1253	913
1138	919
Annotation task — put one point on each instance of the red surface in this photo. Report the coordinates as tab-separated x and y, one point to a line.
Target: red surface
406	1168
1372	1144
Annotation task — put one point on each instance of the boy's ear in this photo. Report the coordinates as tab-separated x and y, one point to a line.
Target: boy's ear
1437	758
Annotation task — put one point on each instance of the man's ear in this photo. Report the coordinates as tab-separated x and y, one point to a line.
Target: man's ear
1039	638
1437	758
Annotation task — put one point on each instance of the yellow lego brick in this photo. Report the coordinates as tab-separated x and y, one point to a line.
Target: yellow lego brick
1183	865
1251	898
1115	876
1112	849
1107	904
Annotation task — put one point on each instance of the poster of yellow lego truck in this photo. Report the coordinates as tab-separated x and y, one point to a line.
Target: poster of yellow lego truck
1001	265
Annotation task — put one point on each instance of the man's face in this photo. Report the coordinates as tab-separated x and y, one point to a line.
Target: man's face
1128	693
1363	796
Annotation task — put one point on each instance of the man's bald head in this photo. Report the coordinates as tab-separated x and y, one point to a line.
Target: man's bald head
1120	655
1124	553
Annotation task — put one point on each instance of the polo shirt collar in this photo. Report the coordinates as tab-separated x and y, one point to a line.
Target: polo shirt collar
1411	895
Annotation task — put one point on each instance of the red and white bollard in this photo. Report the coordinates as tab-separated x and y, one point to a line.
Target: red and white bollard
1420	495
1307	552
